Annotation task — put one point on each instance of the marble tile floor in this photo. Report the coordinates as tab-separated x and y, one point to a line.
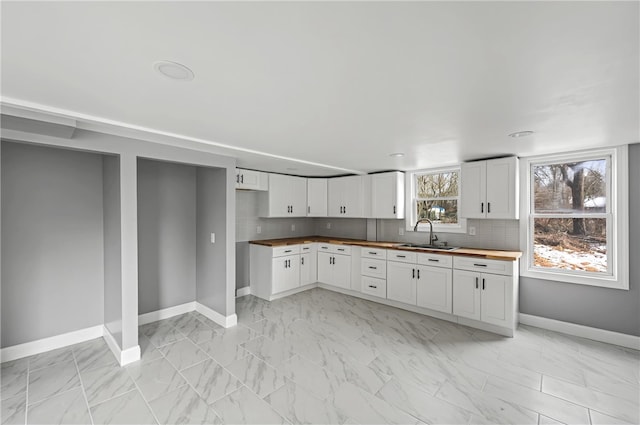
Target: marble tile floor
326	358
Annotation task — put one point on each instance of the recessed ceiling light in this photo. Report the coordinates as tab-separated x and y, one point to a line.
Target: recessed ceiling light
518	134
174	70
397	154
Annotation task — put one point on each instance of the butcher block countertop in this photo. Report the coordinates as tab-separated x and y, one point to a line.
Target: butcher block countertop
489	254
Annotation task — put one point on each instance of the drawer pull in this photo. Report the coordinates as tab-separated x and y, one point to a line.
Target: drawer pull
373	286
324	247
401	256
340	249
434	260
287	250
480	265
373	253
373	267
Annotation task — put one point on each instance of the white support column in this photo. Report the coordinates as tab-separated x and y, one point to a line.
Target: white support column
129	240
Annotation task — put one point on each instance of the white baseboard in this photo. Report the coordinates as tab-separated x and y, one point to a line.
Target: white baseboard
241	292
51	343
610	337
166	313
124	357
225	321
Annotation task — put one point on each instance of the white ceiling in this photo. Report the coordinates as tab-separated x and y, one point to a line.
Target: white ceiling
338	84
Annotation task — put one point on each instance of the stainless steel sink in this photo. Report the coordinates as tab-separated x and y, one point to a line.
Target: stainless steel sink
427	246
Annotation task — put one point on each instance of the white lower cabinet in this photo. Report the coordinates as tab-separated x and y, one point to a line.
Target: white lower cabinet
401	282
466	294
334	265
434	288
285	273
280	269
487	297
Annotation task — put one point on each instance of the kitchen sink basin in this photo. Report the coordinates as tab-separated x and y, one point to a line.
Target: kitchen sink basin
427	246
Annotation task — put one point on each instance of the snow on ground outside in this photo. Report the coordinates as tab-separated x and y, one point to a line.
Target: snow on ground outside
548	256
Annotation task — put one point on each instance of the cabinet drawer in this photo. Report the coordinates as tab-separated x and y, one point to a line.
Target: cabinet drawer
482	265
435	260
374	253
373	268
374	286
286	250
307	247
402	256
335	249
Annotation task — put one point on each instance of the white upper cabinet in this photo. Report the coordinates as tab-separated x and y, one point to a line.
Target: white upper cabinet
490	189
251	180
286	197
346	196
316	197
387	195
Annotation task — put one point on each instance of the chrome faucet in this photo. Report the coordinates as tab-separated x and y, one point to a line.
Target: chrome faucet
432	237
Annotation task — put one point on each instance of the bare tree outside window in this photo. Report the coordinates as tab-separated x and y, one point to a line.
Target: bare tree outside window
437	197
570	215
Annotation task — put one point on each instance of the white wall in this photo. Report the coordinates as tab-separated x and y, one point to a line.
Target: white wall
52	242
112	246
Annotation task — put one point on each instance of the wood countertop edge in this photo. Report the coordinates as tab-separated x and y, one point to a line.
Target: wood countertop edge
489	254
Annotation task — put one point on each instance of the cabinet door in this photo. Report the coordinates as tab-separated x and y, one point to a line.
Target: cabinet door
466	294
279	195
298	196
251	180
335	190
494	299
473	178
317	197
502	188
401	282
286	273
306	277
434	288
387	195
353	197
325	267
342	271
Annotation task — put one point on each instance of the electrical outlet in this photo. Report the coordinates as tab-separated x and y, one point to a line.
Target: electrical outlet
400	231
293	227
213	238
259	229
472	230
328	225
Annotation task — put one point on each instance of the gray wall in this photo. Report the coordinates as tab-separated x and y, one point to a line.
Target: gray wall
611	309
212	257
52	242
112	246
166	235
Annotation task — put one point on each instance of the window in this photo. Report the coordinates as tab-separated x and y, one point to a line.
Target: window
576	224
435	194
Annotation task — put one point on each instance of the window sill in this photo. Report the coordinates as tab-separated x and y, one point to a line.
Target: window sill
603	282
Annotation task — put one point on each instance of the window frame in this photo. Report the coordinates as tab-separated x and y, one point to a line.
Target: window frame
616	213
411	201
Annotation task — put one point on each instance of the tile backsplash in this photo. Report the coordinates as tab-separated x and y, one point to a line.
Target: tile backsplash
493	234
